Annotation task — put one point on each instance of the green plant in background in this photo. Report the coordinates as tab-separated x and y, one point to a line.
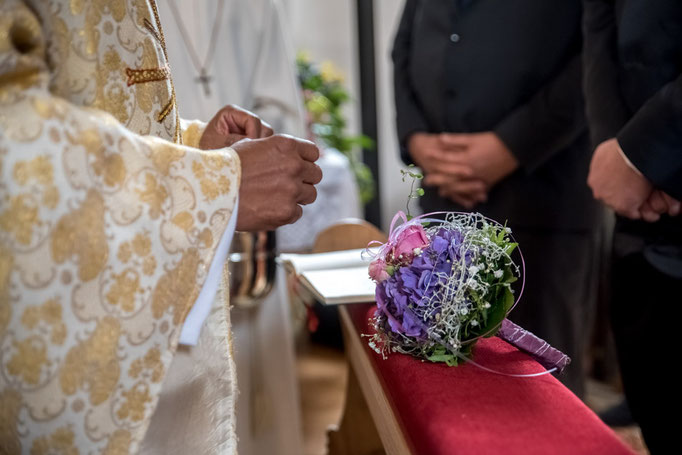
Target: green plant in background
324	96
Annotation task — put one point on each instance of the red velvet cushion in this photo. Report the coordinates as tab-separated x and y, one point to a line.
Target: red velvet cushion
464	410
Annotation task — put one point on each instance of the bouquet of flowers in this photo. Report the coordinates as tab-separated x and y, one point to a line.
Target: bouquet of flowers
442	286
443	283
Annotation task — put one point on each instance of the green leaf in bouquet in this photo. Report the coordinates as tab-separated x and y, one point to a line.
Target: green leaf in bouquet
441	357
509	249
498	310
509	299
475	297
453	361
440	354
509	276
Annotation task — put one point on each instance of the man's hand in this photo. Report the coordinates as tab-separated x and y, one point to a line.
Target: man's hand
615	183
467	192
484	153
482	158
232	124
278	176
445	169
657	204
432	155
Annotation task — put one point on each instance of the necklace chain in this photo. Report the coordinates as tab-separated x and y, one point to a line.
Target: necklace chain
203	78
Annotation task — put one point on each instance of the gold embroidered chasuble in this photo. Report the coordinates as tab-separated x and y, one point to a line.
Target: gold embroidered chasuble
109	220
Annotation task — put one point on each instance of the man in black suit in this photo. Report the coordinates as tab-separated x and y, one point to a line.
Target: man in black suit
489	105
633	88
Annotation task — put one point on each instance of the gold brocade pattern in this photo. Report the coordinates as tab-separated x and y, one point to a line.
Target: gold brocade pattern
60	442
6	266
92	364
108	224
119	443
79	236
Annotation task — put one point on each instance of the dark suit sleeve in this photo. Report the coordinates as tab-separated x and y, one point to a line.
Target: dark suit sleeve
549	122
604	105
652	139
410	118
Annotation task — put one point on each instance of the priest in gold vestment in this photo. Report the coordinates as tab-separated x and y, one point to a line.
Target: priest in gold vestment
112	225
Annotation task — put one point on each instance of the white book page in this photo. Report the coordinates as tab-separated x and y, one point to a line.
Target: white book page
321	261
333	278
337	286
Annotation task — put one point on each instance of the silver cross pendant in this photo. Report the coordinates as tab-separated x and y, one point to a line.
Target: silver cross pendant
205	80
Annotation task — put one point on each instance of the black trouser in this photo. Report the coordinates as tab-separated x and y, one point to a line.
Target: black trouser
646	310
562	272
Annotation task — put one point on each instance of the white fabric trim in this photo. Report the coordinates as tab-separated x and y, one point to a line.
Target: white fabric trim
191	329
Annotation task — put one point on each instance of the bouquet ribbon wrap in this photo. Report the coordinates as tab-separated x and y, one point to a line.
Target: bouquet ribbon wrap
536	347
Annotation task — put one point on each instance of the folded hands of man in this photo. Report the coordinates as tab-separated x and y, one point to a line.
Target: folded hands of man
619	185
463	166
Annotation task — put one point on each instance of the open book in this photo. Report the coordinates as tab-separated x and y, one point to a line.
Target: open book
333	278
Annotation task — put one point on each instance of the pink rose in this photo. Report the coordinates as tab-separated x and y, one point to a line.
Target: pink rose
377	270
411	238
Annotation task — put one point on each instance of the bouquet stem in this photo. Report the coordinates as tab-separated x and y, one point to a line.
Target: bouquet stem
536	347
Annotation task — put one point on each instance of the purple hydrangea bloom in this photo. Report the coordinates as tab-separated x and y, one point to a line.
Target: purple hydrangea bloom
401	298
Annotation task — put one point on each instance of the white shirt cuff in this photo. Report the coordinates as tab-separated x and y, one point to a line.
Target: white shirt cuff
627	160
191	329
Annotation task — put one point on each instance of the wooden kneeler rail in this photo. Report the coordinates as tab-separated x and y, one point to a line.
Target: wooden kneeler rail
363	373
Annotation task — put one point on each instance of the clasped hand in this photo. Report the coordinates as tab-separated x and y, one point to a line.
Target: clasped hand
279	173
620	186
464	167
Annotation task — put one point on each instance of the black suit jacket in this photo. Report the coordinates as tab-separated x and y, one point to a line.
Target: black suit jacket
633	88
512	67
